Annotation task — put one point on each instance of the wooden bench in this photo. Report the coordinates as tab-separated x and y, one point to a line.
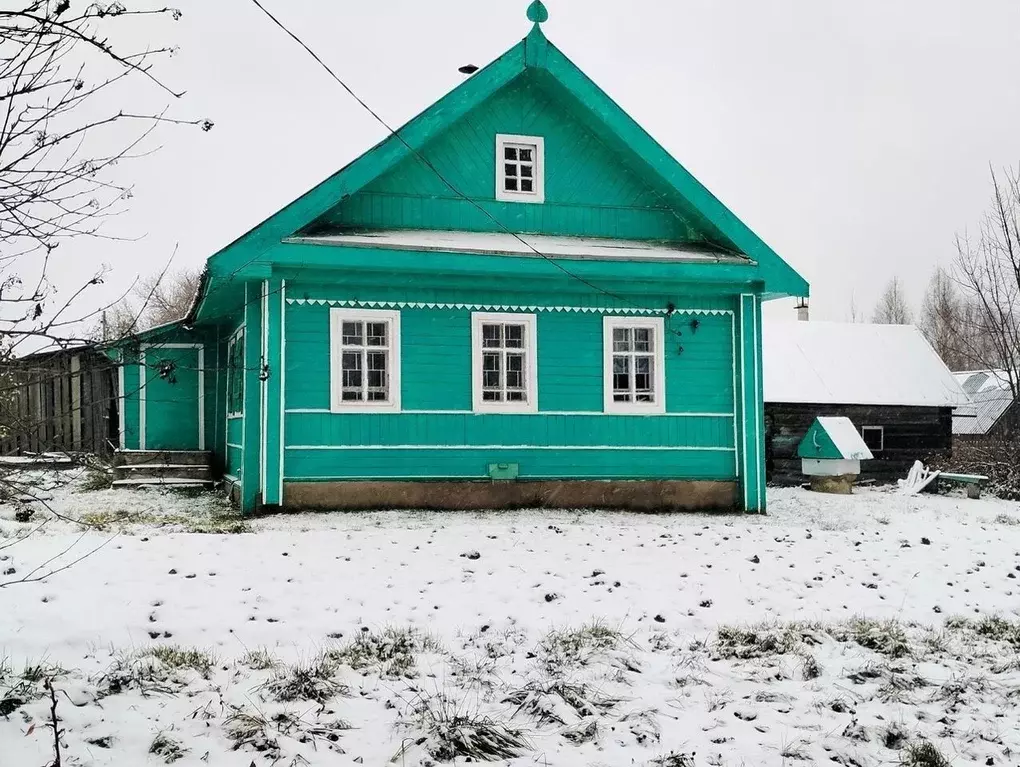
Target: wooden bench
972	482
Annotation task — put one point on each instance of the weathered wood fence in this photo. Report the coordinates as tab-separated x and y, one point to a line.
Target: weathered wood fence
62	401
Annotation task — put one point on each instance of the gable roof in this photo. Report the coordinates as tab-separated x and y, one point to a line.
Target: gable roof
990	397
834	438
533	53
854	364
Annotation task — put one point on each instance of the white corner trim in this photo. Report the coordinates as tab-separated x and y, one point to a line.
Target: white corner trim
121	416
141	398
530	322
659	384
263	387
201	398
538	196
283	378
336	319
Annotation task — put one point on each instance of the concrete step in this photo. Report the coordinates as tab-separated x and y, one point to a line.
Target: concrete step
166	457
162	471
175	482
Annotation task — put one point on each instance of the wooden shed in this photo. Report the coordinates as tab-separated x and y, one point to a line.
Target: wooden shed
887	379
59	401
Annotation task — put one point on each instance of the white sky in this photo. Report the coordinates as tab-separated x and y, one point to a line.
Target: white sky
855	138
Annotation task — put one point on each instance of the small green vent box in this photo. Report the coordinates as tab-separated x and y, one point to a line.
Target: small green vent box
504	471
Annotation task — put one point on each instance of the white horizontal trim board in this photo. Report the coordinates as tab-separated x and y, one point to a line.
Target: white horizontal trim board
485	477
663	448
327	411
497	307
236	447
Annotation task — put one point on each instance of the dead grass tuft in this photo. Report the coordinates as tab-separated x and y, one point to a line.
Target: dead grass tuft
391	653
452	730
923	753
763	639
168	748
312	681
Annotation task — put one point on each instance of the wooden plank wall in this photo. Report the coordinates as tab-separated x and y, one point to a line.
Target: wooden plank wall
64	402
911	433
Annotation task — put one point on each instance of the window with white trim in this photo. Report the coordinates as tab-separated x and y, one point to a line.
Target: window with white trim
504	363
520	168
235	373
874	438
634	369
364	360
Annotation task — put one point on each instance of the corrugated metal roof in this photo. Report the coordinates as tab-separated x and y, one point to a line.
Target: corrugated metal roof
990	396
855	364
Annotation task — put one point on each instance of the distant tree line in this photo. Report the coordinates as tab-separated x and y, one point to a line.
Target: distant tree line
970	312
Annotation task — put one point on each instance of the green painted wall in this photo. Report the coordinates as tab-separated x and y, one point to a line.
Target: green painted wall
436	376
591	189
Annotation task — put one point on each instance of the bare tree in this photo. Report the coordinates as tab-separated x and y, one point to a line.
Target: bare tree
988	269
942	318
69	115
892	308
855	314
63	129
153	300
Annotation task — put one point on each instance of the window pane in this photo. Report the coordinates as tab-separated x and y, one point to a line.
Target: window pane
510	184
621	364
510	153
642	339
510	169
351	395
526	171
621	397
376	332
492	396
492	336
515	371
514	336
377	375
351	361
353	333
643	365
515	396
621	339
621	382
527	185
526	154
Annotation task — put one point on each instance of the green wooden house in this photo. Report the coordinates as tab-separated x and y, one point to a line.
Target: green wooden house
519	299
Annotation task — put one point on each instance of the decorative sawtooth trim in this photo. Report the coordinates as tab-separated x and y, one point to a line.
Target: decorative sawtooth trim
498	307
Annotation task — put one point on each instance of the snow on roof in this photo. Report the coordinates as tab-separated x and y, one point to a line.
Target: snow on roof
845	437
855	364
990	396
501	243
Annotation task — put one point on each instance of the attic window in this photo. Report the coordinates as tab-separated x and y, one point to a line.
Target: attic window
520	168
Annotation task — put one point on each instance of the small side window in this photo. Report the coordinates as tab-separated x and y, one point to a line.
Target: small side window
520	168
874	438
235	374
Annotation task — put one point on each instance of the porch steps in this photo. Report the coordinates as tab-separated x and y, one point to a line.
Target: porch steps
176	468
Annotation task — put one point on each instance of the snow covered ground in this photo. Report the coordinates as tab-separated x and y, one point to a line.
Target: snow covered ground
852	630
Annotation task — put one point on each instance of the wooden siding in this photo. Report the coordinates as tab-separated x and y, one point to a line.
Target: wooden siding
911	433
436	375
62	401
590	189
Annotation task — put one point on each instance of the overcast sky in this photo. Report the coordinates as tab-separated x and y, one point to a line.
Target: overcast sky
854	137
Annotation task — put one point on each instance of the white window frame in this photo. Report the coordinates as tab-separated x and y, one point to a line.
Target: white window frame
881	434
339	315
530	323
658	405
231	343
505	195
